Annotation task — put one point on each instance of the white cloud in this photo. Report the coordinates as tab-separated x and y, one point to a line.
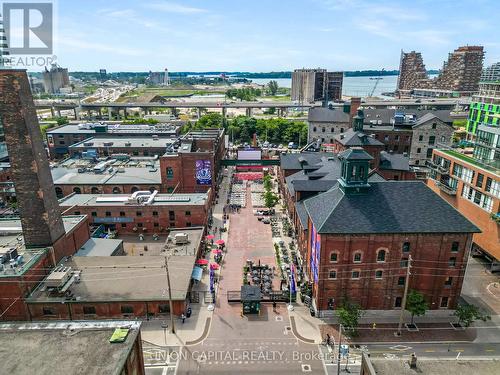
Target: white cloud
169	7
82	45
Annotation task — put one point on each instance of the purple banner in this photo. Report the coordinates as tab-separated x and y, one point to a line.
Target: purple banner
315	254
203	172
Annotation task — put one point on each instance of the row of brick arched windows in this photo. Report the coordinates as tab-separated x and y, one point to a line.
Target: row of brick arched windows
358	256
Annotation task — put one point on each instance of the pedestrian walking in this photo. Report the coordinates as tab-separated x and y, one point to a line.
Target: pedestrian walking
328	339
183	317
274	306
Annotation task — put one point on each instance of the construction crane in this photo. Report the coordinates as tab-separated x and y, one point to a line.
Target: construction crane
377	80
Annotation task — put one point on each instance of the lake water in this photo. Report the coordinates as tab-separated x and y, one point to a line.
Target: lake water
352	86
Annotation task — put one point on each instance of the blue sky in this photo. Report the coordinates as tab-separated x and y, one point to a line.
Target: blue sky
258	35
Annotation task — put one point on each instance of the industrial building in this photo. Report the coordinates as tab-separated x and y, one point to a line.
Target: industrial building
70	291
311	85
139	212
61	138
71	348
55	79
459	76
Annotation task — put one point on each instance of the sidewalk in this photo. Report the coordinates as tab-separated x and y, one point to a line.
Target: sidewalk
433	326
191	330
197	326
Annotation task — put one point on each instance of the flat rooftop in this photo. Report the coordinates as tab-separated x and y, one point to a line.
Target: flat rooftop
105	200
11	237
122	142
65	348
433	366
99	247
130	278
129	175
13	226
161	129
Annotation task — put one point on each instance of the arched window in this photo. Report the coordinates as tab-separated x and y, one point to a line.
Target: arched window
334	257
116	190
170	173
357	257
315	129
381	255
59	192
95	190
134	189
170	189
77	190
152	189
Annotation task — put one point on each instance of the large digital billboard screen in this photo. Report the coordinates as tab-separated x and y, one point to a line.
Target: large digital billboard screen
203	172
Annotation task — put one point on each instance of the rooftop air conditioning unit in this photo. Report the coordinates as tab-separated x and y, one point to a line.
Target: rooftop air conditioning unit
107	144
181	238
128	144
59	276
87	144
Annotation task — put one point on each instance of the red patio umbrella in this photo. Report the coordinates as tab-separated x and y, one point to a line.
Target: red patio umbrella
216	251
202	261
214	266
210	237
219	242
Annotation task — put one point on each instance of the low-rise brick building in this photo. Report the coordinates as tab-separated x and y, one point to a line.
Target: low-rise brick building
428	133
70	348
60	139
361	235
119	287
22	268
136	214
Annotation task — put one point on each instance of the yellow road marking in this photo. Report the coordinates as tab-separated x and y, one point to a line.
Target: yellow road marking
489	350
430	351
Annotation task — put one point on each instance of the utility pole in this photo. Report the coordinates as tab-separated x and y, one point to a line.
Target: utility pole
170	297
340	344
403	303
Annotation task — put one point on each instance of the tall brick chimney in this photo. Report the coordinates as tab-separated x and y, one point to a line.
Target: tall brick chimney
40	216
355	104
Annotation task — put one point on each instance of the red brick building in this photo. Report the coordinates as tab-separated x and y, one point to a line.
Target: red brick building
68	348
119	287
34	264
130	214
473	188
361	235
195	166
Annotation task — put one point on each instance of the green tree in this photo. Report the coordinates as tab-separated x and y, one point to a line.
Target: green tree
270	199
349	314
272	87
210	120
268	185
416	304
467	314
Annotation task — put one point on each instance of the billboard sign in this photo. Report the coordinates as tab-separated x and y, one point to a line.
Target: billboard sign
203	170
249	154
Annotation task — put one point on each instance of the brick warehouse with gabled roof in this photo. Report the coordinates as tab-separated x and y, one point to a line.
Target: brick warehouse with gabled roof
361	233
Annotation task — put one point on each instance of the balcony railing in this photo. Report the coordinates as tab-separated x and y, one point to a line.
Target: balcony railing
445	188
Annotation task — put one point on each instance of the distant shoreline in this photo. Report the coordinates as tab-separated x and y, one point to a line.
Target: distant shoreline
263	75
